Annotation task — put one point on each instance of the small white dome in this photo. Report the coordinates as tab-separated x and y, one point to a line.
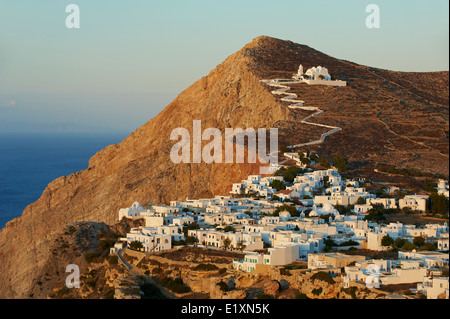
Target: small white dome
327	207
285	214
313	213
136	204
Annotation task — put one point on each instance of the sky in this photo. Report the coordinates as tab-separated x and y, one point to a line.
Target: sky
129	59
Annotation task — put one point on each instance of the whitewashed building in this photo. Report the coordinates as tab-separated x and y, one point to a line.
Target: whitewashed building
277	256
414	202
317	76
134	211
434	287
387	203
150	239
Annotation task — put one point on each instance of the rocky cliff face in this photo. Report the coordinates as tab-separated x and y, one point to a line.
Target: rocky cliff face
139	168
231	96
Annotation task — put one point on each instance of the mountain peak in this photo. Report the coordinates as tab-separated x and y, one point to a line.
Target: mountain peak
270	57
264	40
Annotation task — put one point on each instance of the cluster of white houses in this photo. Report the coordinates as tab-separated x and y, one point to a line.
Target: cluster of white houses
338	192
276	240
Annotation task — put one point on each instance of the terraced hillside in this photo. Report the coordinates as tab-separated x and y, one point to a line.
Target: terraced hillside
387	117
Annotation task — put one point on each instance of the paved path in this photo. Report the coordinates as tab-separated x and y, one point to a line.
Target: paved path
166	293
124	262
298	104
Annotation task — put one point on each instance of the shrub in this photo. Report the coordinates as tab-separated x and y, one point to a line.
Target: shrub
156	271
71	229
292	172
400	242
174	284
63	291
205	267
387	241
323	276
222	271
278	185
329	243
431	246
91	283
409	246
344	210
110	294
106	244
113	260
151	292
439	204
361	201
419	241
323	162
229	229
350	291
293	267
179	242
285	272
317	292
340	163
90	257
223	286
301	295
193	226
191	240
375	215
135	245
284	149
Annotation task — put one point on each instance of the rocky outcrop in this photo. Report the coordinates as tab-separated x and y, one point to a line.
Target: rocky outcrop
272	288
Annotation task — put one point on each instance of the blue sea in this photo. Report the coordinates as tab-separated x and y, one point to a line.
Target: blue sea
30	161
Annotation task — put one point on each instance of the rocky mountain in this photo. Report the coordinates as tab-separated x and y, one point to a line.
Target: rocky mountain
385	116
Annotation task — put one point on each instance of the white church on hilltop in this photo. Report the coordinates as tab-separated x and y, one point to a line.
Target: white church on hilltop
317	76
